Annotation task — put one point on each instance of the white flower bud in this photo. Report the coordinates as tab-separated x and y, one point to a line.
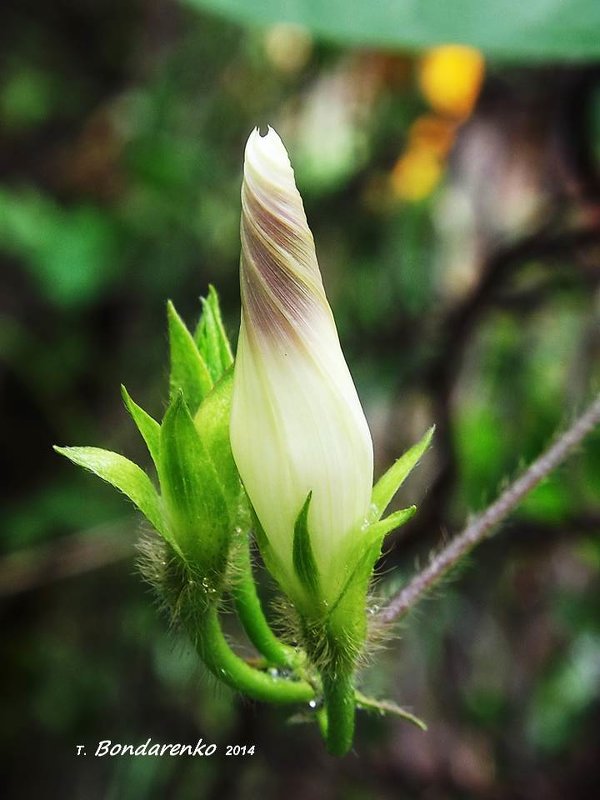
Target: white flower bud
297	425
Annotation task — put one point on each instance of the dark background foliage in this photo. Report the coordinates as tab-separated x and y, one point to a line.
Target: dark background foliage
458	234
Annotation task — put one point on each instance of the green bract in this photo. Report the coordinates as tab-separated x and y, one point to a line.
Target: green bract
200	503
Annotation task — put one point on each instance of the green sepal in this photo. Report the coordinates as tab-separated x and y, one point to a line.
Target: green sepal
212	423
125	476
359	577
303	557
267	553
389	483
189	372
377	530
146	425
211	338
371	541
371	547
193	495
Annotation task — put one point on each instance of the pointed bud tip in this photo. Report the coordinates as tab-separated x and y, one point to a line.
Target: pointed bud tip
266	154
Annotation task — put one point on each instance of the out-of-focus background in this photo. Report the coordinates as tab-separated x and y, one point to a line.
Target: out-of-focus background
454	196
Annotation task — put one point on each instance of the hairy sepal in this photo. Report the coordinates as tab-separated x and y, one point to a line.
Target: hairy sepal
125	476
211	338
193	494
389	483
378	530
146	425
212	424
347	615
189	372
305	565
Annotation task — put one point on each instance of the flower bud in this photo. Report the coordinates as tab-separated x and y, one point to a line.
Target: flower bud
297	425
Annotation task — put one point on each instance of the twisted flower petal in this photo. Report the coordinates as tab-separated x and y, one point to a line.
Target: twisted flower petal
297	424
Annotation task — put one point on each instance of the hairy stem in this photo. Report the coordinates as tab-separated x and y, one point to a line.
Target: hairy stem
483	524
340	705
235	672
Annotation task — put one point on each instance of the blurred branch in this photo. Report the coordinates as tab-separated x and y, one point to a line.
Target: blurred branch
574	135
531	534
544	245
483	524
69	556
456	329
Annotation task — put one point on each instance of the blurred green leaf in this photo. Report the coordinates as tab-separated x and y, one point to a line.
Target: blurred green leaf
73	253
551	501
27	98
539	29
563	697
483	448
58	506
486	706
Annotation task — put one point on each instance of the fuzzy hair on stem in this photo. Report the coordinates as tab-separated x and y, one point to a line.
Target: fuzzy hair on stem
485	523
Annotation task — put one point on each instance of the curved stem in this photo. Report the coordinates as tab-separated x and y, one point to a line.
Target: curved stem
483	524
235	672
338	694
251	615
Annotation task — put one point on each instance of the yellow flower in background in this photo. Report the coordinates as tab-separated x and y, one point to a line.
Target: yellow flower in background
450	77
416	174
297	425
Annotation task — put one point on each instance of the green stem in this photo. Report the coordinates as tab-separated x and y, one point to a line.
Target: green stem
338	694
234	671
252	617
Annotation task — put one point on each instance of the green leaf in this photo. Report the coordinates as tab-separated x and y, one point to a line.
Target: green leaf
124	475
212	424
189	372
380	529
146	425
539	30
389	483
303	556
193	495
211	338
